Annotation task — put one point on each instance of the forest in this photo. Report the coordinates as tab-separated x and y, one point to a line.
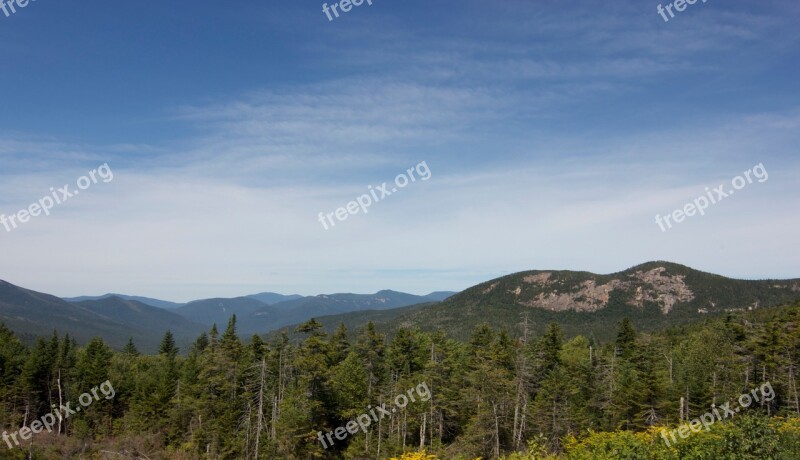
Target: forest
501	394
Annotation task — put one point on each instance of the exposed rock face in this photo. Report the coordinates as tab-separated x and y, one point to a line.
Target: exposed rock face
666	290
588	296
795	287
540	278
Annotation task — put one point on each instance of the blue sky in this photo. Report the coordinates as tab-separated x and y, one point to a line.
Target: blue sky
554	131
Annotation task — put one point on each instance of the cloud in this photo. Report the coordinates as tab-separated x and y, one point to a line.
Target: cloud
530	125
186	232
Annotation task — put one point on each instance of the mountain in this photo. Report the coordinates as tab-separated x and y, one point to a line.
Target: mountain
265	297
272	298
34	314
653	295
439	296
167	305
259	313
340	303
294	311
218	311
147	321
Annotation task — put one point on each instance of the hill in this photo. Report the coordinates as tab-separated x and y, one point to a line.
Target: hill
218	311
33	314
285	313
654	295
270	298
116	317
165	304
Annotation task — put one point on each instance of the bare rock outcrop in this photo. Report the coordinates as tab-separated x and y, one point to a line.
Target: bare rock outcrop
663	289
654	286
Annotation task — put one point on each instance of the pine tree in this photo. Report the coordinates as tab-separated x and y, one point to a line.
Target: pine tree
626	339
167	347
130	348
339	344
13	355
371	347
258	349
91	370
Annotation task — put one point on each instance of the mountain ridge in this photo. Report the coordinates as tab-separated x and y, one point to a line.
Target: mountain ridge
165	304
653	295
35	314
285	313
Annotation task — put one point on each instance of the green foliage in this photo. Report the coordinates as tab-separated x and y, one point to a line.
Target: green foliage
745	438
130	348
499	304
511	394
167	347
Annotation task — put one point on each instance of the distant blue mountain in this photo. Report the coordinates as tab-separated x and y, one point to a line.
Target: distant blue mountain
145	300
272	298
298	310
33	314
219	311
267	310
439	296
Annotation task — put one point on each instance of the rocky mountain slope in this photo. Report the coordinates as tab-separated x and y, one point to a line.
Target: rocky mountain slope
653	295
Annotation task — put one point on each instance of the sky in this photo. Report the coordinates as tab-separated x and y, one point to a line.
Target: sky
553	133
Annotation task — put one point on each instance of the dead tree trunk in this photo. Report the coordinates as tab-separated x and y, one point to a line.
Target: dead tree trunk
422	431
260	414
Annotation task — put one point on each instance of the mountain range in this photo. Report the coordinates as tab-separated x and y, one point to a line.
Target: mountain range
116	317
33	314
653	295
255	316
265	297
145	300
294	311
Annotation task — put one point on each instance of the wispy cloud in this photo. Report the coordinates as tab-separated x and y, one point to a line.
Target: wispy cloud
554	136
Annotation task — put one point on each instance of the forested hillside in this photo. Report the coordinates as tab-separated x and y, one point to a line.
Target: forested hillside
653	296
34	314
501	393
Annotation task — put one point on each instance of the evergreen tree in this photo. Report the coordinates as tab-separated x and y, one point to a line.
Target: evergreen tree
339	344
130	348
626	339
167	347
